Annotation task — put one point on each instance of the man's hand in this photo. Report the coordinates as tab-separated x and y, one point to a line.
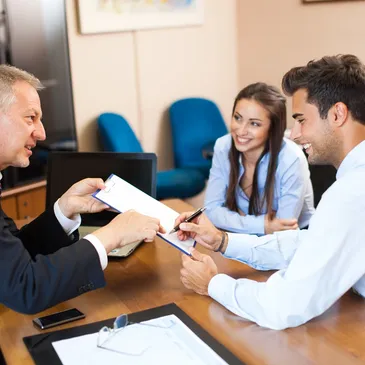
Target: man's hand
197	272
126	228
277	224
200	229
78	199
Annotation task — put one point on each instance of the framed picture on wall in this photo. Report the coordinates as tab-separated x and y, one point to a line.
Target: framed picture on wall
101	16
323	1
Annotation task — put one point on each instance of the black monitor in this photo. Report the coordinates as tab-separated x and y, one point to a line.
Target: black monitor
66	168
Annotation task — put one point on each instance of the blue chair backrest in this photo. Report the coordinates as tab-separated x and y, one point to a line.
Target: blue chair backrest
195	122
116	134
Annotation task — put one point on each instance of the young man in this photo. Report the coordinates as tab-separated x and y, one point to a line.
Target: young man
42	265
316	266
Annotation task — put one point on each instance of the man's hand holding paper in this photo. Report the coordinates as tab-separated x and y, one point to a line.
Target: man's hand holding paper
122	196
127	228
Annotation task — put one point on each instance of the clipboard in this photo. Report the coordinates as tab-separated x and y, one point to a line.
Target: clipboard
41	349
122	196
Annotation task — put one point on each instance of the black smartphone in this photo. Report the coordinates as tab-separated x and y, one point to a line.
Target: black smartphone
55	319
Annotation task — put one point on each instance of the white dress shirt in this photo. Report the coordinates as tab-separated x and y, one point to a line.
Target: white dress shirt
70	225
316	266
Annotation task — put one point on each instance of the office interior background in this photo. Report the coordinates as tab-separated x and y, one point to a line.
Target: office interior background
139	74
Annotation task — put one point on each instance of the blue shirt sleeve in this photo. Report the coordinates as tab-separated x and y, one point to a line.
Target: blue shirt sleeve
270	252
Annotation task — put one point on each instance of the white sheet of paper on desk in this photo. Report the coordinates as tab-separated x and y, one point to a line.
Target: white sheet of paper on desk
123	196
176	345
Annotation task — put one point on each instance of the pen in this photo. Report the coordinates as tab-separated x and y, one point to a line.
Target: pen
189	219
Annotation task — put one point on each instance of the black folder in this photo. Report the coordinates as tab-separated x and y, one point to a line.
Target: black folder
43	353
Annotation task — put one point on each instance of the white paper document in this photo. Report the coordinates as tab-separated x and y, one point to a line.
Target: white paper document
161	341
122	196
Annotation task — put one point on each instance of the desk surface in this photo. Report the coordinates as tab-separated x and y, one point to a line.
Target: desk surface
150	277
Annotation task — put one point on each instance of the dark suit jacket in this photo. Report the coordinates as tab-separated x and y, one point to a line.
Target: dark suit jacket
41	266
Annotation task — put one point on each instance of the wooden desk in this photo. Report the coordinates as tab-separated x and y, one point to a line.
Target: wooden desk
24	202
150	277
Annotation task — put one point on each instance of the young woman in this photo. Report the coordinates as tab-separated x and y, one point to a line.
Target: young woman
259	181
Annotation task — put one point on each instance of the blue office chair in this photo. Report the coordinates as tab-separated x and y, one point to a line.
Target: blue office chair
196	124
117	136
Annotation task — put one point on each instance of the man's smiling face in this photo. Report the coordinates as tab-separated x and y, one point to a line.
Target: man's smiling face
311	131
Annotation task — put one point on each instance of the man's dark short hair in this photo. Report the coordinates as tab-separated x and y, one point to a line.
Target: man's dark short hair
330	80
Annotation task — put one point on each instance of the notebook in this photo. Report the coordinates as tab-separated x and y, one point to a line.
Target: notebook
122	196
66	168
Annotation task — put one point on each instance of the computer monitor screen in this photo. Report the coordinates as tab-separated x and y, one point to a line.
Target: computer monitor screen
67	168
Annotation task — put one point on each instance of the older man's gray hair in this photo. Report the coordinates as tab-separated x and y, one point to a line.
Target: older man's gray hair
9	75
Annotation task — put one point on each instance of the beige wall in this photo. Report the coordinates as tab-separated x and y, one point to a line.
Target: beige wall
139	74
289	33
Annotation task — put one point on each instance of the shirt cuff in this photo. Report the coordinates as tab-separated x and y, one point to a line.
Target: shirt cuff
100	249
237	246
256	224
220	287
68	225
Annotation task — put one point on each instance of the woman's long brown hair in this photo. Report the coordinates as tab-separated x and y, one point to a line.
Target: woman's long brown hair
270	98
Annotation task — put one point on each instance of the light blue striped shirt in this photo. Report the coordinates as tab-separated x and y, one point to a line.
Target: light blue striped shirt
293	192
317	266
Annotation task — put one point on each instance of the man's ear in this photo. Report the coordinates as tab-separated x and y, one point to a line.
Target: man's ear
338	114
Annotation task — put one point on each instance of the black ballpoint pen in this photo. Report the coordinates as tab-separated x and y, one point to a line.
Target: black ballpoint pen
189	219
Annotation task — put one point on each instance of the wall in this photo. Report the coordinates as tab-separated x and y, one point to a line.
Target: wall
288	33
103	78
139	74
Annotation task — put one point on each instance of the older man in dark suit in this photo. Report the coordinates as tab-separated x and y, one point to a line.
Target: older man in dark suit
43	263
